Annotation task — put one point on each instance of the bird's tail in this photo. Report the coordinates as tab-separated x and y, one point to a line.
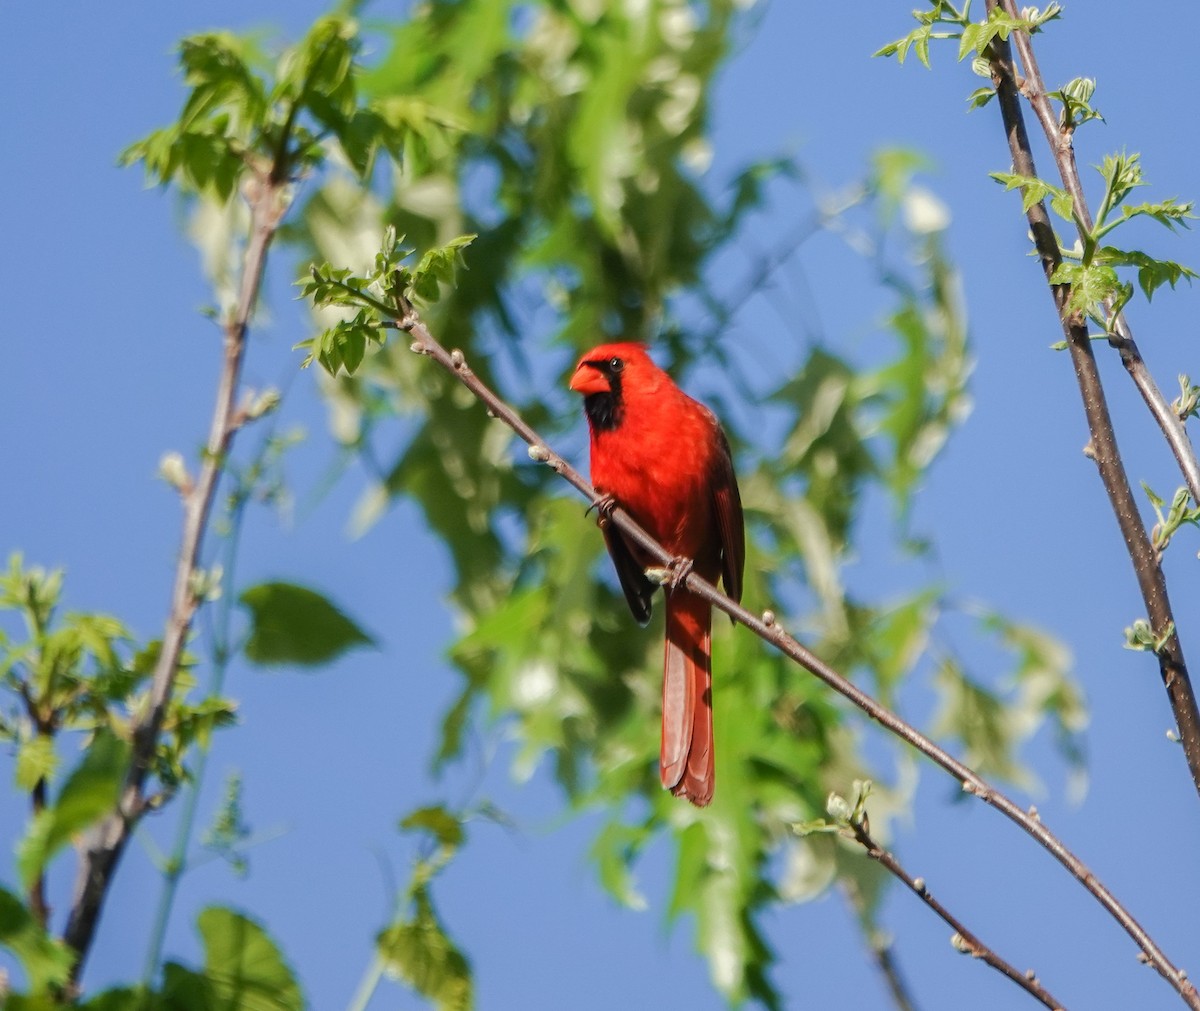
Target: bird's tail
686	759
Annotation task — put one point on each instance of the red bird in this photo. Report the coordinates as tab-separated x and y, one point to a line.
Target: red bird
663	458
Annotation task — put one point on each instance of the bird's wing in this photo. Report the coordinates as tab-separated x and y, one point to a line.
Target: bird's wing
727	507
638	589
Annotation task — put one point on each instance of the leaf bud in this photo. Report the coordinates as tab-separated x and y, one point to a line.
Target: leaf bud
173	470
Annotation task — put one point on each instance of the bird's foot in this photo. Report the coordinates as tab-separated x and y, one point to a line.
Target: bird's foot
677	571
604	507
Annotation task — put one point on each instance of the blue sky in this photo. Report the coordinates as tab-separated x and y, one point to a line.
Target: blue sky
109	365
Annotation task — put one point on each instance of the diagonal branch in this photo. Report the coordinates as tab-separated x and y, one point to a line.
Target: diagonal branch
101	850
1103	445
963	940
767	628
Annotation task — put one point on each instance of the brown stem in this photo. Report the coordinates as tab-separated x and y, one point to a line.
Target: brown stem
964	940
104	845
766	628
45	728
37	889
1103	445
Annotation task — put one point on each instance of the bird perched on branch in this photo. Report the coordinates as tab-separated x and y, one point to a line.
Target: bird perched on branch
663	458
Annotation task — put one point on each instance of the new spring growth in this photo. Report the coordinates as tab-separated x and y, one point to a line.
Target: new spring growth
1186	403
173	470
260	404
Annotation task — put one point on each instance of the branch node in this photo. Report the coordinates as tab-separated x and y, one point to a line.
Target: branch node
919	886
768	619
538	453
1033	812
457	359
959	944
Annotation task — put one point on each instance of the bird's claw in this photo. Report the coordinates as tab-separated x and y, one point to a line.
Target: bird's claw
678	570
604	507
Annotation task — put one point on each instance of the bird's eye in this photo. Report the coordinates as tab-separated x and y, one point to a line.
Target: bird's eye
616	364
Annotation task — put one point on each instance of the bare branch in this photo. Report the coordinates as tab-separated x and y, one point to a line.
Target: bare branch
101	850
963	940
1103	446
767	628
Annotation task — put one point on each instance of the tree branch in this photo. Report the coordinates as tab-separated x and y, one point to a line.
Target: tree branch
1103	446
767	629
102	848
963	940
1173	429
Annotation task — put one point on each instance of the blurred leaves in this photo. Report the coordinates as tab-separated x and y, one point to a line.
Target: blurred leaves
561	151
295	625
415	948
243	969
88	794
46	960
577	168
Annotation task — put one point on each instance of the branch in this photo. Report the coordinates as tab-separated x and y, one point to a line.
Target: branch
101	851
1103	445
768	629
963	940
1034	90
38	904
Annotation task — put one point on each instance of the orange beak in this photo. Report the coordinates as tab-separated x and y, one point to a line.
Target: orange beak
588	380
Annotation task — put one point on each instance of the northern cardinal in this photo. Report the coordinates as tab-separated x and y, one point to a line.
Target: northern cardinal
663	458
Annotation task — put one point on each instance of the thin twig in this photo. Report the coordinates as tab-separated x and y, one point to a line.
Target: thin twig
1103	445
882	950
104	845
963	940
767	629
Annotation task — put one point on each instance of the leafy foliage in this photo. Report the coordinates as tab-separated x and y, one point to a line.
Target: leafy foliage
590	151
86	796
45	960
415	948
1091	268
559	151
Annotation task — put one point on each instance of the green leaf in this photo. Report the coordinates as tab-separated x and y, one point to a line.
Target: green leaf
89	793
46	960
1152	273
1169	212
1090	285
437	266
243	967
1076	99
1034	190
438	822
420	953
295	625
36	760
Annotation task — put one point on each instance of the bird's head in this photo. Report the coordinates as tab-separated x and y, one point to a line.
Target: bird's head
605	375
